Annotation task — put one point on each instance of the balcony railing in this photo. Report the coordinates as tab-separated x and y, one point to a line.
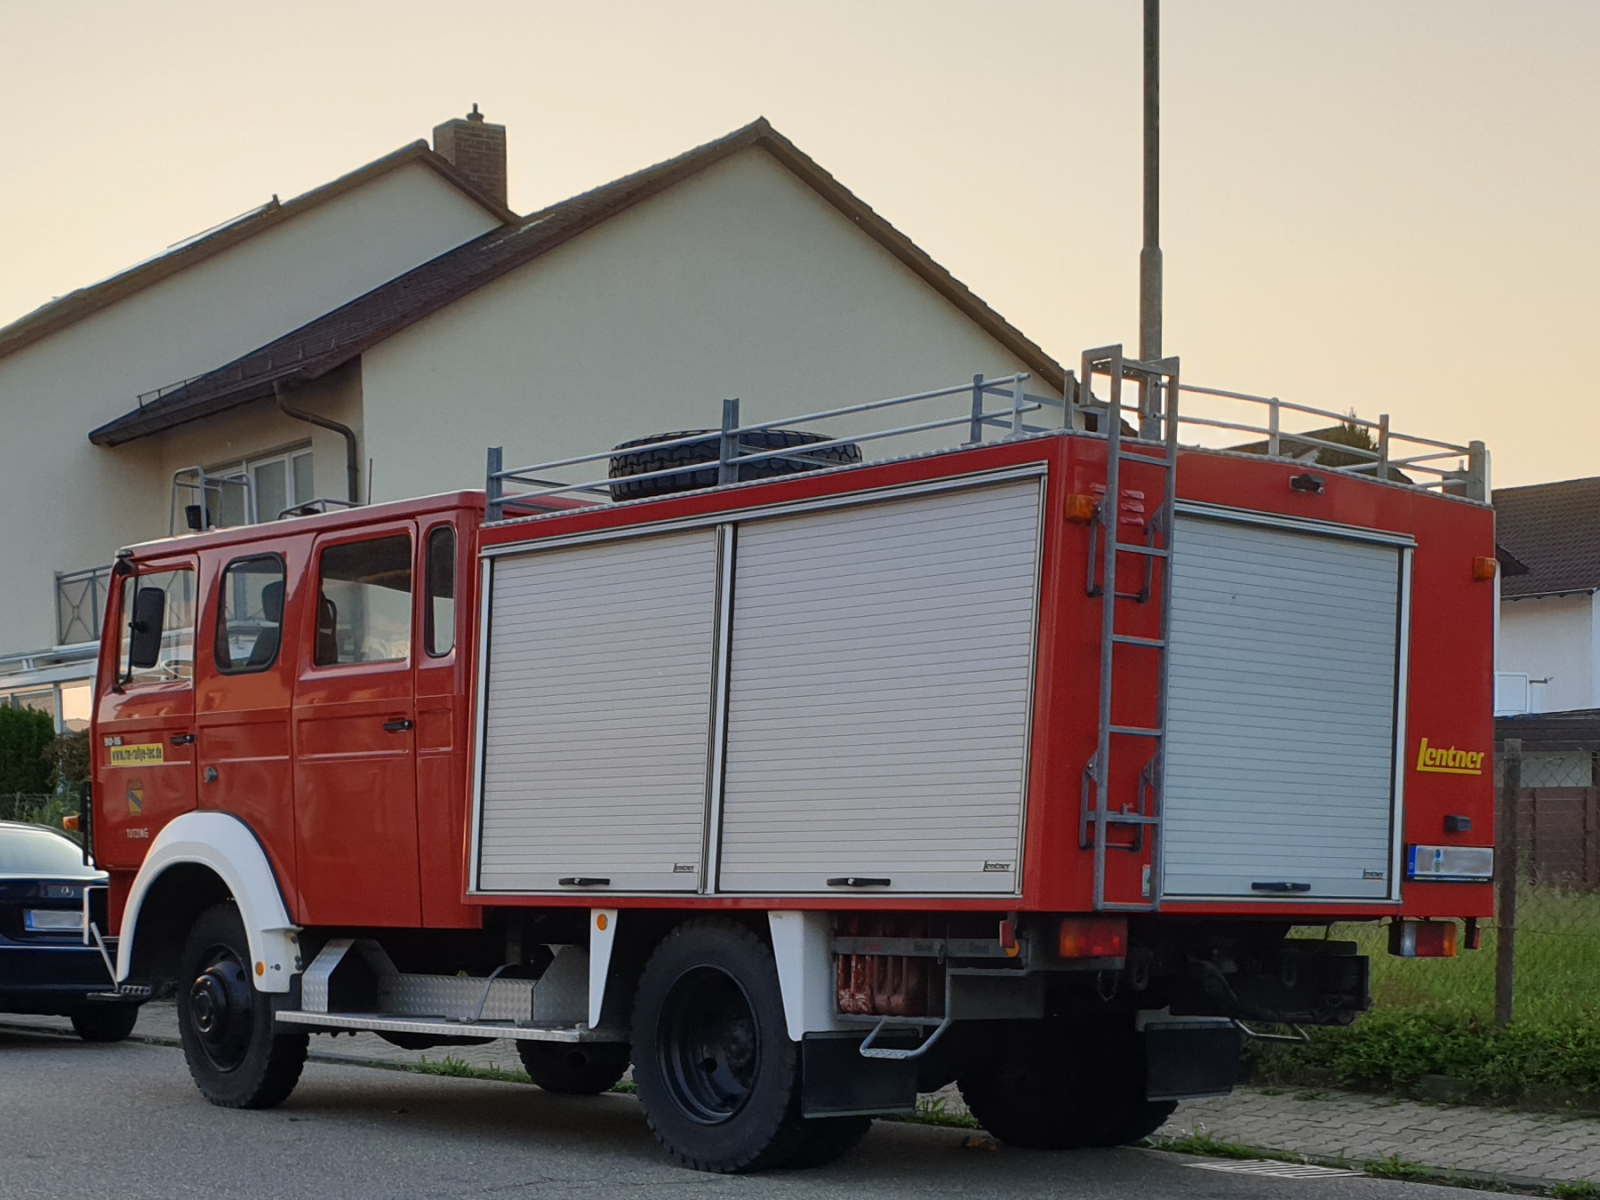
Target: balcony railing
81	604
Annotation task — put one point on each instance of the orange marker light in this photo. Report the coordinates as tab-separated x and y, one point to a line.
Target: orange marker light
600	921
70	822
261	968
1483	568
1080	508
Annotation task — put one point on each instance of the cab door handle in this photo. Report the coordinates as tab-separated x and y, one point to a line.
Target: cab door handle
397	726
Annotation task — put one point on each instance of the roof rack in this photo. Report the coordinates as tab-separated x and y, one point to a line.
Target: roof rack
1002	409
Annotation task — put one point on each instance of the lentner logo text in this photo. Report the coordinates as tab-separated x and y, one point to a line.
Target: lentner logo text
1449	761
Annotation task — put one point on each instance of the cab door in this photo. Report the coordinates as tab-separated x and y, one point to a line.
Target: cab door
145	759
354	733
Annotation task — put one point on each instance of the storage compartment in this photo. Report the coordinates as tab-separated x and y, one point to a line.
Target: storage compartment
597	711
878	696
1282	714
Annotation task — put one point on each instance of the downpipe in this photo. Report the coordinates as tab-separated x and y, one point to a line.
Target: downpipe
352	460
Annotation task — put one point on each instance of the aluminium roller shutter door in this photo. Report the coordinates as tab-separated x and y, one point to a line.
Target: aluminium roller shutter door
597	715
881	668
1281	719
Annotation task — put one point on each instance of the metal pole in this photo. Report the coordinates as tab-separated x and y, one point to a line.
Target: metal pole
494	488
728	447
1150	255
1506	867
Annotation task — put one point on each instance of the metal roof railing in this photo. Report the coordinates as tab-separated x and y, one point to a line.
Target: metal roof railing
1002	409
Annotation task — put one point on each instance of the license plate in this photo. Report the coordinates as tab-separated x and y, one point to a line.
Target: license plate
53	920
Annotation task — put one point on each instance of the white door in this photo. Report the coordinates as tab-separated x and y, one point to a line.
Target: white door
878	695
1282	713
597	712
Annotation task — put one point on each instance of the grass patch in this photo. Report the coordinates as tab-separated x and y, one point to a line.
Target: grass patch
1395	1167
1396	1049
935	1110
1206	1146
1434	1017
455	1068
1580	1189
1558	964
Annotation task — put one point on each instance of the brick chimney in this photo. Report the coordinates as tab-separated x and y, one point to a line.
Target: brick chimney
476	149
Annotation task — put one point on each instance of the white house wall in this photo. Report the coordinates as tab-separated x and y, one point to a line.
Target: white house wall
70	505
740	282
1551	638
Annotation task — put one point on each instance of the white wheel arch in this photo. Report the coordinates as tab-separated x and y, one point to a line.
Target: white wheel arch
224	844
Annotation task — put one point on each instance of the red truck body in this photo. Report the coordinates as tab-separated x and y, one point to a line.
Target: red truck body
361	777
291	744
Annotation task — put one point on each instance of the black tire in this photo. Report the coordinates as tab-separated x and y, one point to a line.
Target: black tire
584	1069
1050	1085
829	1138
105	1022
718	1077
237	1057
642	455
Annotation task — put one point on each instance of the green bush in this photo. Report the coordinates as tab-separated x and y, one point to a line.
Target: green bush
1396	1048
24	737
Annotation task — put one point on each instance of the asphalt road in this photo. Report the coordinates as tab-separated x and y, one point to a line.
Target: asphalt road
125	1121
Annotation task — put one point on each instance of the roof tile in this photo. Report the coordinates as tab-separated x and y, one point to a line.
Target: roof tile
1553	528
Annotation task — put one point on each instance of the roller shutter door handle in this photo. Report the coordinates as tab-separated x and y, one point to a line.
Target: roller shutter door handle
399	726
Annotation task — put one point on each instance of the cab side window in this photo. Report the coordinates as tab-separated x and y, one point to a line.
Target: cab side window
249	614
364	602
157	627
439	619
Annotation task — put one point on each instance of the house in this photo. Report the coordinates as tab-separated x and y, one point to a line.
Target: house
1547	681
369	340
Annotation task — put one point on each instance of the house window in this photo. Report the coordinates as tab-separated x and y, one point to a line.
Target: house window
277	482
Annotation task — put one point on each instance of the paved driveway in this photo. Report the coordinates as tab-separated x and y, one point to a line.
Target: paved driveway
125	1121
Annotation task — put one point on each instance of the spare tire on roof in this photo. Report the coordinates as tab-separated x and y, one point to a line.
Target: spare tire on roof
643	455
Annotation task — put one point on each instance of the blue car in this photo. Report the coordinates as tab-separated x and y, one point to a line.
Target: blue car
45	964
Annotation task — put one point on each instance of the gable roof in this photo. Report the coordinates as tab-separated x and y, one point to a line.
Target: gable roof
343	334
75	305
1554	530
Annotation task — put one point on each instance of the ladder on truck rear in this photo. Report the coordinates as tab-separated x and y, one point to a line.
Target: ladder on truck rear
1100	814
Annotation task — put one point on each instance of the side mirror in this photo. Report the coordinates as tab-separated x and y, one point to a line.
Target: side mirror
144	644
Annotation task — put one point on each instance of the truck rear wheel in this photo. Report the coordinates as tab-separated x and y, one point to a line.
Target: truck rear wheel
828	1138
586	1069
1050	1085
718	1077
234	1052
105	1022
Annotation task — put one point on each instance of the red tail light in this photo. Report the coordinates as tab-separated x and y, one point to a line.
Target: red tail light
1422	939
1093	937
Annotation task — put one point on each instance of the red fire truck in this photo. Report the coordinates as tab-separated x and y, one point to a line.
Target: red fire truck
802	779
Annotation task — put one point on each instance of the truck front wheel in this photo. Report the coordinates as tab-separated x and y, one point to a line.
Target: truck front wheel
237	1057
718	1077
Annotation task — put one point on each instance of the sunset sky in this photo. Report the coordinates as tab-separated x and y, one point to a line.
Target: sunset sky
1381	205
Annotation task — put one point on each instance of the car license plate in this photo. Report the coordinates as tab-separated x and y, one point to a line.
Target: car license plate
53	920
